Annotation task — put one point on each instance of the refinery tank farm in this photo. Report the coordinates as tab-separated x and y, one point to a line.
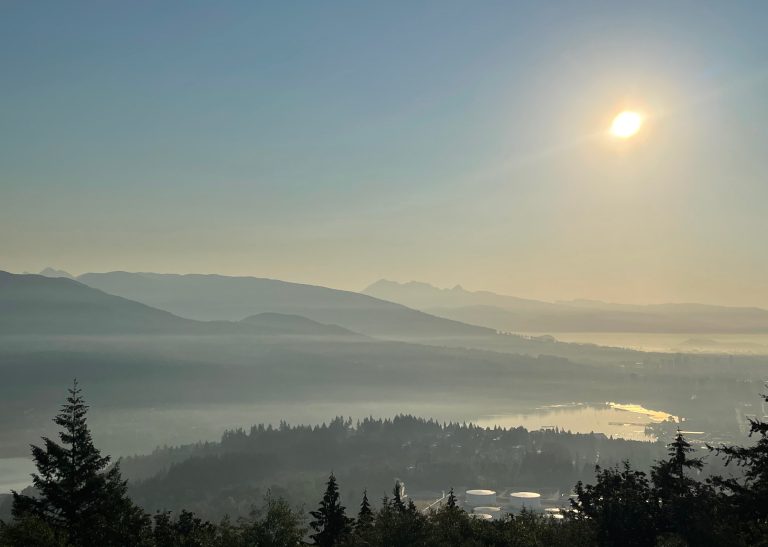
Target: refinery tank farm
487	504
490	505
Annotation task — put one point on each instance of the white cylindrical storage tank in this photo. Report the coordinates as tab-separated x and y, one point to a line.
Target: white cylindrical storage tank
481	516
527	500
480	498
554	512
494	512
557	517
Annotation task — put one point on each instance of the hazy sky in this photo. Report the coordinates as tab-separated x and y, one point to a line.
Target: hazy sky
340	142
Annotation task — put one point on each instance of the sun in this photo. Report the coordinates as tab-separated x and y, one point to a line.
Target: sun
626	124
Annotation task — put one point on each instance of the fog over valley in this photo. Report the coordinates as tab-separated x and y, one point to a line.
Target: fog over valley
191	376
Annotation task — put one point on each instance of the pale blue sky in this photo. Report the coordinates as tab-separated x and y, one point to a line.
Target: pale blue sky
340	142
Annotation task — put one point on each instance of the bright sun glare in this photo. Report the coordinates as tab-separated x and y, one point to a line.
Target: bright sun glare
626	124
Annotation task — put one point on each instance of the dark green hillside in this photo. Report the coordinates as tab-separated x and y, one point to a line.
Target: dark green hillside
34	304
39	305
217	478
281	323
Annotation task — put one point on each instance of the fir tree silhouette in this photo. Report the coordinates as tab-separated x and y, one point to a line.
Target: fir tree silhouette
77	494
331	525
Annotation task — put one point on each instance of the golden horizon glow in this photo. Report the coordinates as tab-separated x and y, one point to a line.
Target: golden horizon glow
626	124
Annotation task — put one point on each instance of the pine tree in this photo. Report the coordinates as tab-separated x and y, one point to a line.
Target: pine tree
365	515
330	523
681	502
77	494
669	476
275	524
364	530
679	461
397	497
451	523
618	507
748	496
451	503
451	510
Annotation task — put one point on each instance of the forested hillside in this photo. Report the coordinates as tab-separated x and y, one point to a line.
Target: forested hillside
79	500
227	477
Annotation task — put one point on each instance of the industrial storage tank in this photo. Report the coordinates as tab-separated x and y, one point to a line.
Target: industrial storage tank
480	498
554	513
527	500
557	517
481	516
494	512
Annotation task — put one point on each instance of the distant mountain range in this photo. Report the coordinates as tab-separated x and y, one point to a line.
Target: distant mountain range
147	303
512	314
39	305
413	309
52	272
217	297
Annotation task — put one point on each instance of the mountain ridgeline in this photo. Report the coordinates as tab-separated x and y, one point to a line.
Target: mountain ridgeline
40	305
221	298
512	314
216	297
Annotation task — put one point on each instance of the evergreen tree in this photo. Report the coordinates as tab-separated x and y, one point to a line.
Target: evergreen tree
275	524
397	497
28	531
452	515
682	503
364	523
619	507
400	523
669	476
679	462
185	530
365	515
451	503
77	494
451	523
331	525
747	497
